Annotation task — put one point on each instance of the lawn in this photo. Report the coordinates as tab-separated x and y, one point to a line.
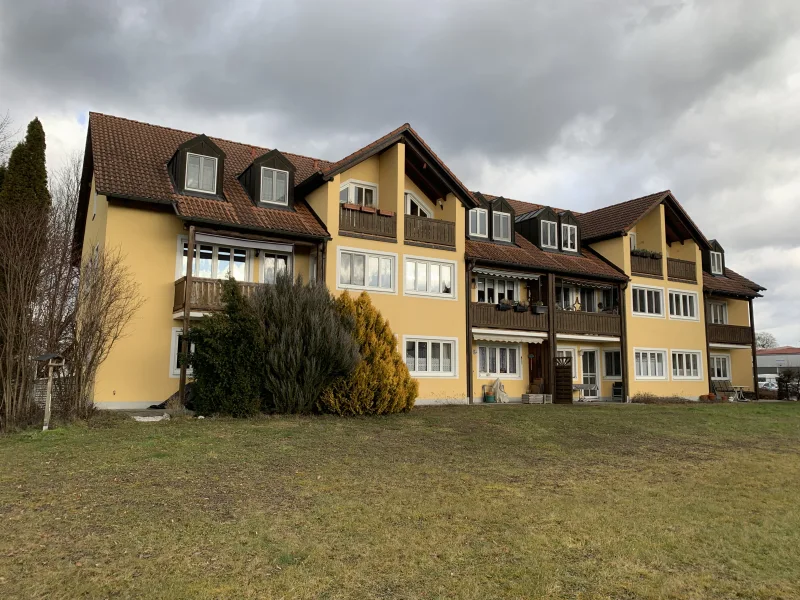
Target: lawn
451	502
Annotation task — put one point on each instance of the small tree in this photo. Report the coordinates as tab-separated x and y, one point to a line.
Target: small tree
381	383
765	339
226	362
307	344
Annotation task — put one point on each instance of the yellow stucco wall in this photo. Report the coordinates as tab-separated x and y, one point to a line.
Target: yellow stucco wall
95	232
738	312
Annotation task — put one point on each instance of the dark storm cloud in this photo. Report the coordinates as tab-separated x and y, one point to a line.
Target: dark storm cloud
580	103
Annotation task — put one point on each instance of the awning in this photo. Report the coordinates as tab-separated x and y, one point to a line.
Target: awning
730	346
508	274
585	284
242	243
504	335
586	338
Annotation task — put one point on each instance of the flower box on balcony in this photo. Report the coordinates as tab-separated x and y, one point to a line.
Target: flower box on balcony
385	213
351	206
504	307
368	209
539	309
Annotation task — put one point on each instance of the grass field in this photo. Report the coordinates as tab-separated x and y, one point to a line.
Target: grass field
451	502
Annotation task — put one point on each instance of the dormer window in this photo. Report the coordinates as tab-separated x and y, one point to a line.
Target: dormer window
478	221
569	237
358	192
201	173
274	186
501	226
716	263
550	234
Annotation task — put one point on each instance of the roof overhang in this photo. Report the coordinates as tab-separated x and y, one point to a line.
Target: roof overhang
509	336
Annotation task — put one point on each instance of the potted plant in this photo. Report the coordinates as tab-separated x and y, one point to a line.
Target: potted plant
642	253
539	308
505	304
521	307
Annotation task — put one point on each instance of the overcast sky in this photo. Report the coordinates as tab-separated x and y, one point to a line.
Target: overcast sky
572	103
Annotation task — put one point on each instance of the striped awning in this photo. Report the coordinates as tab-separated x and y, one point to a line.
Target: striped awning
509	336
585	284
506	274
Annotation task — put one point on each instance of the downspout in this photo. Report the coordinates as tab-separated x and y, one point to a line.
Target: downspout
187	307
468	298
623	309
708	347
753	349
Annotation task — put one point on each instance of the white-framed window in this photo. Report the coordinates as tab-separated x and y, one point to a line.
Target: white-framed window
312	268
499	361
215	261
359	192
275	264
431	357
569	237
648	301
720	367
175	351
716	263
650	364
425	277
718	313
687	364
683	305
416	207
201	173
549	234
492	290
572	353
274	186
362	270
612	364
632	236
478	222
501	226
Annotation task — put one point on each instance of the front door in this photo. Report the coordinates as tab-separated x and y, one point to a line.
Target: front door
590	373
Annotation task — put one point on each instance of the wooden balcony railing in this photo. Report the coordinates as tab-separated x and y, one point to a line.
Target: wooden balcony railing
368	222
487	315
206	294
682	270
641	265
430	231
730	334
568	321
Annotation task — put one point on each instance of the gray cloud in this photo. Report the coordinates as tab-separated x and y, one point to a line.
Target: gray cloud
571	103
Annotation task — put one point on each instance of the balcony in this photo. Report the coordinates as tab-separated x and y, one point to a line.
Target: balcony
206	294
430	231
681	270
590	323
650	267
488	315
730	334
362	220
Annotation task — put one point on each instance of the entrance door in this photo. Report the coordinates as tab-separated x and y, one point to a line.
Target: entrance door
590	373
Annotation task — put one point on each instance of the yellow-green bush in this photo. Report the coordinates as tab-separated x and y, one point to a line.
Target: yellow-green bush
381	383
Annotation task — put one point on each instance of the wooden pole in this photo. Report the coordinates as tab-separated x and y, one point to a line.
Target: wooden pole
622	290
708	346
48	397
551	334
468	297
753	349
187	307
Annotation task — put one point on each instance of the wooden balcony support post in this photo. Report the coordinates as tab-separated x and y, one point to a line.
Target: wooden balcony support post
468	305
753	349
708	347
551	333
187	307
623	340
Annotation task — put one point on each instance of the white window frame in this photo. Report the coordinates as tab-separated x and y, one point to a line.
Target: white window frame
261	259
174	350
716	263
514	283
648	351
554	230
573	350
479	212
661	314
713	367
507	217
186	173
723	310
412	197
632	235
249	261
367	253
274	187
685	354
496	347
430	262
352	184
565	237
433	339
612	377
679	294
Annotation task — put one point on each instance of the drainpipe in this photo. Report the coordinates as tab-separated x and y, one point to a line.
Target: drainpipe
753	349
623	314
187	307
708	347
468	297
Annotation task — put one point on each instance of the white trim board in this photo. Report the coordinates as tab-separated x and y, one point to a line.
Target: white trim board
586	338
730	346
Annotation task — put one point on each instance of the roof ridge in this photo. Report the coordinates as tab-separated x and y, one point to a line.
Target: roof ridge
661	194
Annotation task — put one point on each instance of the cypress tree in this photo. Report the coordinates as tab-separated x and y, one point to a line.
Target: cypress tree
3	169
25	179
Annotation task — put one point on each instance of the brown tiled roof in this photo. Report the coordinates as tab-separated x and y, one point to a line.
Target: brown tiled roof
520	206
130	161
525	254
617	218
730	284
779	350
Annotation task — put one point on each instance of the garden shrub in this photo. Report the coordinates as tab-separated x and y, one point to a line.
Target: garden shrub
226	360
647	398
381	383
307	344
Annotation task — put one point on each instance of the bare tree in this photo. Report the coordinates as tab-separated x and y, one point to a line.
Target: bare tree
765	340
6	136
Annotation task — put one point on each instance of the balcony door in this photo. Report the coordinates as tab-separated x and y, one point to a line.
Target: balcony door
589	364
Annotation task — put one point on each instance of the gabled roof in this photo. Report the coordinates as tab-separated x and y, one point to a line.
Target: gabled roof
731	284
405	133
780	350
617	219
130	162
524	254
